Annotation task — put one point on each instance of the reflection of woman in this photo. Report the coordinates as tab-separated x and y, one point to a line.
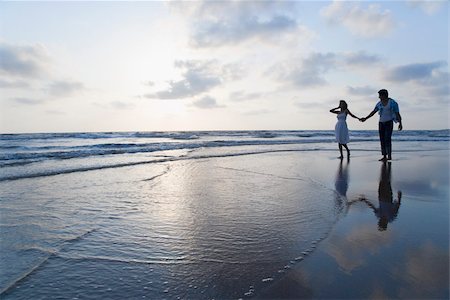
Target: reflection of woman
388	208
341	183
341	186
341	129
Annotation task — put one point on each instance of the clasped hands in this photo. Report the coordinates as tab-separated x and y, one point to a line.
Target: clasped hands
362	119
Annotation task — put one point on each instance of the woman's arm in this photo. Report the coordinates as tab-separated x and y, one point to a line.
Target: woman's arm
334	110
348	112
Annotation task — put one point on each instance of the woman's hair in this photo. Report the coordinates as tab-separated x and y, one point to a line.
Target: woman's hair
344	104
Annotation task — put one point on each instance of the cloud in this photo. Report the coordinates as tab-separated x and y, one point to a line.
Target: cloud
218	33
5	84
63	88
361	90
428	7
429	79
23	61
27	101
206	102
219	23
360	58
240	96
55	112
149	83
352	250
197	77
425	270
417	71
257	112
307	72
368	23
310	71
311	106
122	105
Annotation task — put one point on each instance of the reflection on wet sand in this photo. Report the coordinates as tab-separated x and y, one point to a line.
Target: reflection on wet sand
403	257
387	210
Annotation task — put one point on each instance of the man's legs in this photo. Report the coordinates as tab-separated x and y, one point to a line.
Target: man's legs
385	131
389	128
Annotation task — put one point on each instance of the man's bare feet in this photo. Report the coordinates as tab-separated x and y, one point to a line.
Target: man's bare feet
383	159
389	157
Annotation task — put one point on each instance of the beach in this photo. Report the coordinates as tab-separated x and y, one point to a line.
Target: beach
224	215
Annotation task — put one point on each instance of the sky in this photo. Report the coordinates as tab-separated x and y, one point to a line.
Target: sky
220	65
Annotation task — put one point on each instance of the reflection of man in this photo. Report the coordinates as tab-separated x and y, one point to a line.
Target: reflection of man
388	208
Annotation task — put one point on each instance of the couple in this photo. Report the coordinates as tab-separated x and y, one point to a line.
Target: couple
389	113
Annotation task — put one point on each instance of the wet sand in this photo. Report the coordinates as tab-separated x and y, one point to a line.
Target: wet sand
382	246
210	225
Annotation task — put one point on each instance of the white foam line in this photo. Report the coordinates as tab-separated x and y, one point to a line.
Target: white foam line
159	175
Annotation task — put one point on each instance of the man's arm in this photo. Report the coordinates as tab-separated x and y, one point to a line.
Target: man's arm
399	118
369	116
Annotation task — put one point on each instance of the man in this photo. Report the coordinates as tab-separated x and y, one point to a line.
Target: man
389	113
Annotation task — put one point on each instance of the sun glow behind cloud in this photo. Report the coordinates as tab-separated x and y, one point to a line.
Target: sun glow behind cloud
109	66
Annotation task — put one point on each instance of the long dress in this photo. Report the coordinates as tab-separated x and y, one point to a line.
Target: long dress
341	130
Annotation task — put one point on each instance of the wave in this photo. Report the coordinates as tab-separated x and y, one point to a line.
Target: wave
20	150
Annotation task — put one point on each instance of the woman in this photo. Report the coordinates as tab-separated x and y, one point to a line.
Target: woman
341	130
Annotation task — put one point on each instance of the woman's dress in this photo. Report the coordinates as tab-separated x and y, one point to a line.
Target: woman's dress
341	130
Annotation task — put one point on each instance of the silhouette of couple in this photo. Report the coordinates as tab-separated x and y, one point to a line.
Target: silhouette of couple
387	209
389	113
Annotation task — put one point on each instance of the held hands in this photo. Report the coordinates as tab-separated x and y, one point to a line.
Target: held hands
362	119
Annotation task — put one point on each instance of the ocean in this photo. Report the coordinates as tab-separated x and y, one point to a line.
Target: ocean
45	154
167	215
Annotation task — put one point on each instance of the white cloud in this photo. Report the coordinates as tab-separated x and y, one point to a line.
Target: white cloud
121	105
364	22
220	23
64	88
12	84
198	76
240	96
27	101
25	61
427	6
415	71
361	90
360	58
206	102
257	112
306	72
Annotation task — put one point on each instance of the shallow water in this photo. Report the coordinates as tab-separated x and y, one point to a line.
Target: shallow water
197	220
213	228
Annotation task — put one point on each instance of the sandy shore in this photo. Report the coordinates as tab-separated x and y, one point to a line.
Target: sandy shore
379	249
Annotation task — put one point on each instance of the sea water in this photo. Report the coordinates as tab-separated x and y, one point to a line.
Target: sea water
165	214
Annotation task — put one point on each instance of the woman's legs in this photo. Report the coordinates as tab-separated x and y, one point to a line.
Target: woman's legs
348	150
340	150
